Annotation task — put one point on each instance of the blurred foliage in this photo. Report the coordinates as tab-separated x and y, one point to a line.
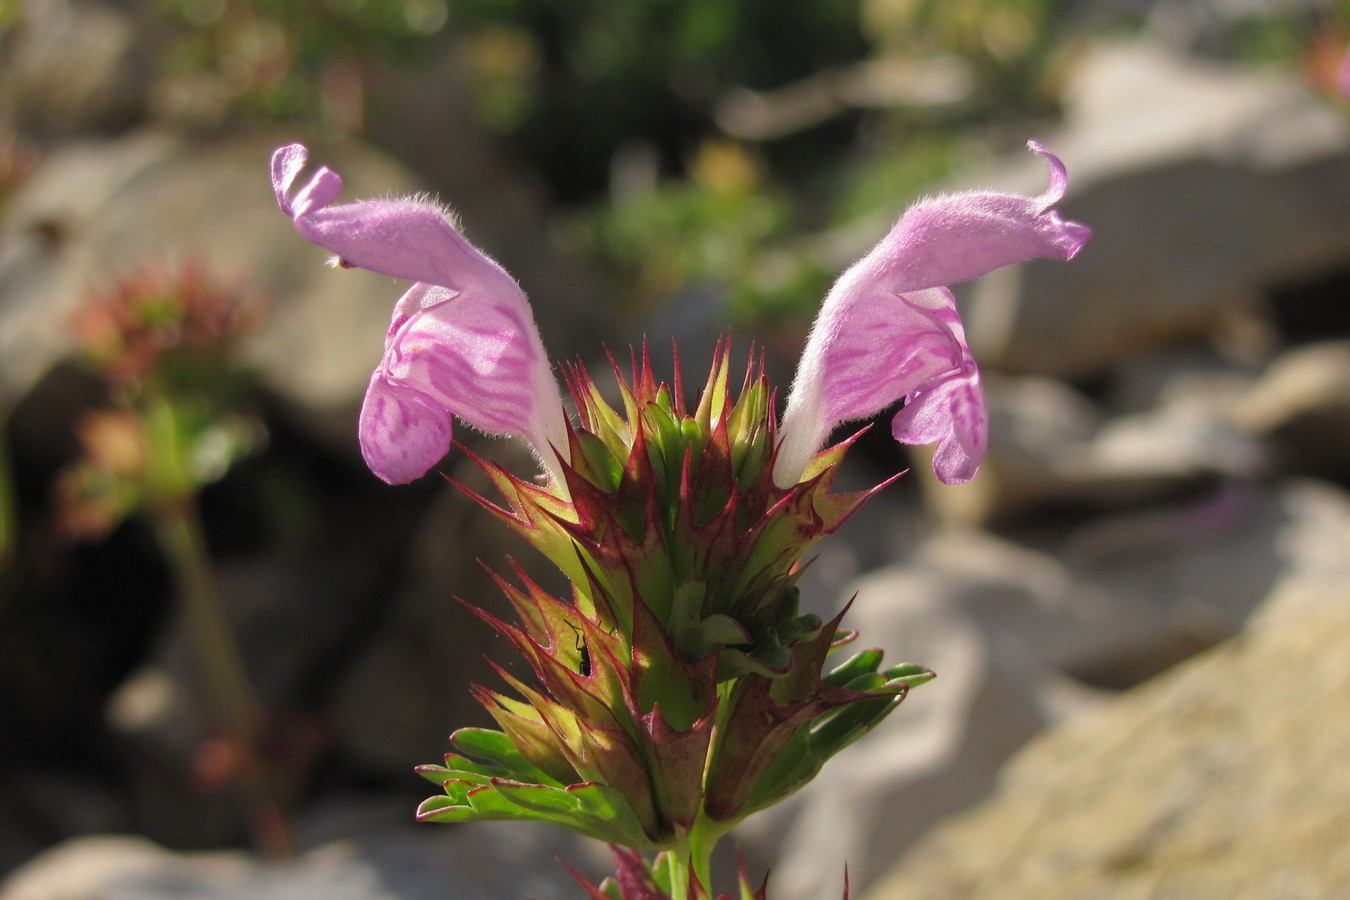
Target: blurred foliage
578	94
727	227
164	341
287	59
722	227
568	83
572	90
1008	44
577	91
903	170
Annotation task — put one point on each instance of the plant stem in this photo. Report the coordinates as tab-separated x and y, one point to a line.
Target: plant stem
702	839
679	874
178	527
179	530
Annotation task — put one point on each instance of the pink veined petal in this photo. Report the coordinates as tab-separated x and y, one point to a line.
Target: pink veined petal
889	327
889	347
417	298
953	415
402	432
466	357
462	339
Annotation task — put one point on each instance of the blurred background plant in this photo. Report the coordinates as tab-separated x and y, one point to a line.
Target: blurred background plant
164	340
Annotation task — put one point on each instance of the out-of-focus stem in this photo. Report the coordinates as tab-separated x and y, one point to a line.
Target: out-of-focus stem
180	535
178	527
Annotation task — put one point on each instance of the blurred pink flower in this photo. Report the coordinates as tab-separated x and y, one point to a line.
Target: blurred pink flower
889	328
462	340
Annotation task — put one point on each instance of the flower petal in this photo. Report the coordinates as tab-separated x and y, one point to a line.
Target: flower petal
461	339
951	239
889	327
462	351
286	165
953	415
403	433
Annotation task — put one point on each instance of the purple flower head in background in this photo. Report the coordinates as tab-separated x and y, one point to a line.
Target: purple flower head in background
462	340
889	328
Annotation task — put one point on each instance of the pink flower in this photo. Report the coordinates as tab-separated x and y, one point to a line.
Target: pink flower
462	340
889	328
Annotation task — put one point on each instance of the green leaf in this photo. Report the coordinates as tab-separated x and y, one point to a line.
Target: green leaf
496	749
911	674
722	629
809	749
604	469
595	810
771	663
441	774
865	662
683	624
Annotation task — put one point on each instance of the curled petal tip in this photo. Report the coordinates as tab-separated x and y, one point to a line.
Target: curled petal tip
1059	176
323	188
1070	235
287	162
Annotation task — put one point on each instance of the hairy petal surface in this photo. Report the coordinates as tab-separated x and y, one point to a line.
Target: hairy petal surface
889	329
462	340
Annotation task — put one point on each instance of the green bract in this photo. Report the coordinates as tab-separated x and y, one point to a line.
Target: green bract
679	688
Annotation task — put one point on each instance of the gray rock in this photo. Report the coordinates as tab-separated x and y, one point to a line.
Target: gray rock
1050	446
1223	778
1023	637
1302	403
44	90
83	868
352	850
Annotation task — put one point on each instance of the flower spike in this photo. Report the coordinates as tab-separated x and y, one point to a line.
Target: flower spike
889	328
462	340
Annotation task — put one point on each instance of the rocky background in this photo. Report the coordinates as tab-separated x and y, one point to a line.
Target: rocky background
1137	611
